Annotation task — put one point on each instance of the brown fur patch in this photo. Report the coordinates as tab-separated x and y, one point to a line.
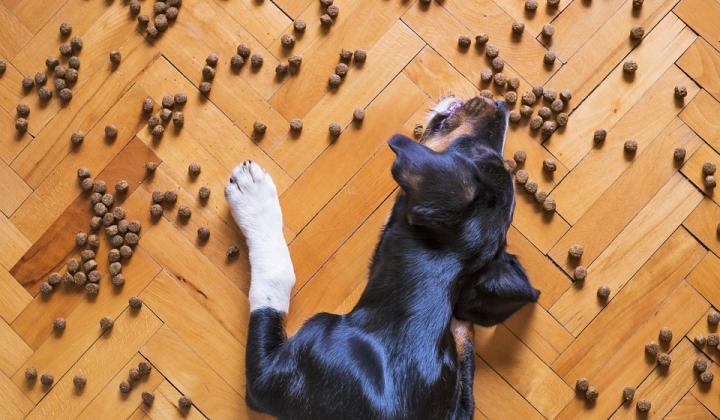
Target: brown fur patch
462	332
461	123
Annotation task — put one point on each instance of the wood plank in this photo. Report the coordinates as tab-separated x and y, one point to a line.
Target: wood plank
397	47
192	376
701	62
210	340
626	365
35	15
358	146
14	404
14	35
689	408
705	278
703	223
699	115
545	390
13	297
648	173
166	405
540	332
504	401
56	354
665	389
617	95
99	364
13	243
533	21
110	400
692	169
13	190
541	228
13	350
264	20
579	22
701	16
627	252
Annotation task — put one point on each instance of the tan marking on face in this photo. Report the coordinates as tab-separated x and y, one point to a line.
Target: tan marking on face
461	123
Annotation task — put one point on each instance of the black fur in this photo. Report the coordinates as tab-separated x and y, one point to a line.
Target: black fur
441	253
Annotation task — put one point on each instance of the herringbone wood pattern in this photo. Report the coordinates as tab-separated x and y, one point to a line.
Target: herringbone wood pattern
648	225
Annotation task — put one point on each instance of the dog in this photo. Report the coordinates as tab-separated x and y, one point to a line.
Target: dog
405	351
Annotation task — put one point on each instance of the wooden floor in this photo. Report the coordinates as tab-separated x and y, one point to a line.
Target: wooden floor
647	224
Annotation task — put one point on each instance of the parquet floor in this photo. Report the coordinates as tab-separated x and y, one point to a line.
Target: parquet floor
647	224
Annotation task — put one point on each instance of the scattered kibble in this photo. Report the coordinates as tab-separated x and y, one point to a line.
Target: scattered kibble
701	365
334	130
643	406
256	61
630	67
549	58
679	154
79	381
599	136
358	114
341	69
259	129
603	292
205	88
549	165
680	91
124	387
59	324
299	25
521	176
628	394
713	318
592	393
492	51
203	233
144	367
184	212
334	81
106	323
204	193
464	41
545	113
65	29
664	360
637	4
518	28
665	335
30	374
46	289
706	377
232	252
21	125
360	56
531	5
184	402
540	196
630	146
710	181
486	75
208	73
580	273
115	57
548	30
77	138
194	169
582	385
699	340
514	116
549	205
531	187
562	119
637	33
44	94
135	303
713	340
148	398
576	251
46	379
92	289
709	168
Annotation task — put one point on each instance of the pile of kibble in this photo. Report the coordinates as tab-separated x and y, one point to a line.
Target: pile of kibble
171	110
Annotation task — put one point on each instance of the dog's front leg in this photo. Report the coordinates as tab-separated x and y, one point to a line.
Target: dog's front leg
254	204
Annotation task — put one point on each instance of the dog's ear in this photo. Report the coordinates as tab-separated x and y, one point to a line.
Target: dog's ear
496	293
410	157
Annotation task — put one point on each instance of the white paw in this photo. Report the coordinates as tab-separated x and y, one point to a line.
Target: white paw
253	200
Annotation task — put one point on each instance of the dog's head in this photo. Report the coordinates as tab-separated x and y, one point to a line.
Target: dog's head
457	192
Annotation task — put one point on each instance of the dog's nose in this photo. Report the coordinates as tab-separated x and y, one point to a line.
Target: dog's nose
501	105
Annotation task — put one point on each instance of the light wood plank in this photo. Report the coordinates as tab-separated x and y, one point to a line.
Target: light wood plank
699	115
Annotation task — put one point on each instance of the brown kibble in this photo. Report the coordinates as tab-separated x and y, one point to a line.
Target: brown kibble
93	242
41	78
333	10
334	81
706	377
679	155
99	187
549	165
360	56
148	398
79	381
643	406
548	128
511	98
464	41
135	303
514	116
111	132
92	289
143	21
358	114
326	20
665	335
580	273
125	251
499	80
80	278
115	268
713	340
540	196
520	156
134	374
486	75
709	168
281	69
549	205
158	131
115	57
296	125
701	365
485	93
630	67
481	39
30	374
710	181
194	169
65	49
637	33
59	324
256	61
287	41
529	98
536	122
548	30
599	136
418	131
582	385
294	63
232	252
236	62
184	403
184	212
341	69
134	7
592	393
203	233
531	187
54	279
576	251
46	289
491	50
124	387
335	130
259	129
178	119
699	340
549	58
77	138
148	105
144	366
65	29
603	292
680	91
156	210
46	379
628	394
204	193
161	23
299	25
518	28
208	73
664	360
562	119
21	125
106	323
521	176
131	239
557	105
205	88
498	64
44	93
243	50
531	5
73	265
545	113
510	165
630	146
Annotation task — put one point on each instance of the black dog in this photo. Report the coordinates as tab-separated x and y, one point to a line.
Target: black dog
441	255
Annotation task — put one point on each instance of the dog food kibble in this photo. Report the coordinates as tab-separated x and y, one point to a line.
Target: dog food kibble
603	292
65	49
511	98
125	251
549	58
205	88
100	209
637	33
59	324
281	69
709	168
335	130
713	340
148	105
545	113
107	199
236	62
665	335
576	251
518	28
557	105
510	165
599	136
531	5
529	98
204	193
135	303
77	138
30	374
498	64
115	57
87	184
521	176
232	252
156	210
701	365
65	29
536	122
679	154
664	360
548	128
562	119
486	75
464	41
713	318
131	239
628	394
531	187
158	131
41	78
46	289
637	4
549	205
334	81
54	279
46	379
113	255
21	125
124	387
341	69
184	403
514	116
44	93
360	56
194	169
699	340
491	51
81	239
79	381
358	114
592	393
51	63
256	61
680	91
143	21
630	67
540	196
92	288
93	242
80	278
582	385
485	93
115	268
208	73
144	366
710	181
23	110
111	132
565	95
499	80
135	7
631	146
706	377
71	76
73	265
549	165
548	30
580	273
643	406
148	398
106	323
520	157
184	212
134	374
